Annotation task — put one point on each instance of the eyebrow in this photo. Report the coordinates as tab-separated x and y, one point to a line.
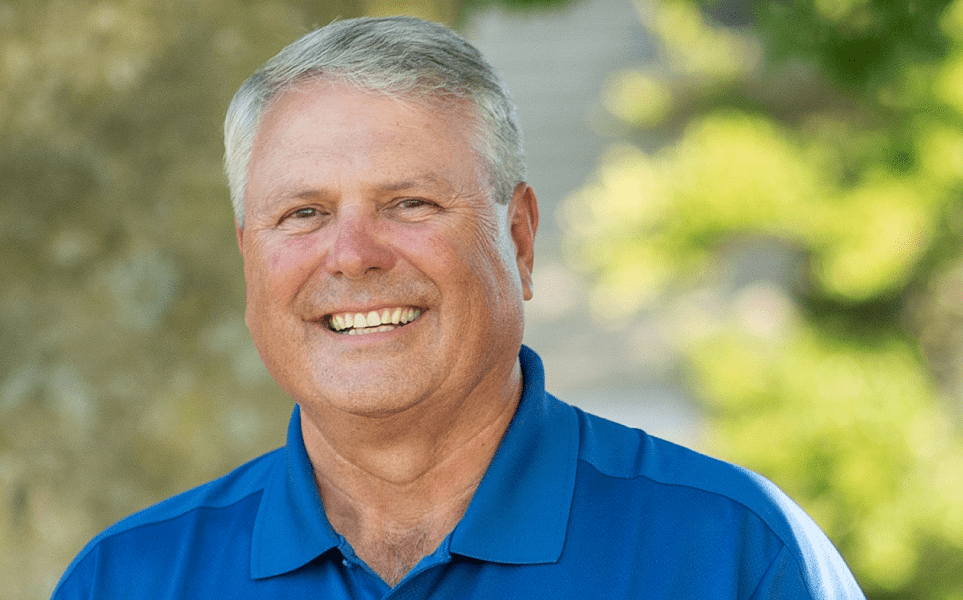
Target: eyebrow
308	193
297	192
407	184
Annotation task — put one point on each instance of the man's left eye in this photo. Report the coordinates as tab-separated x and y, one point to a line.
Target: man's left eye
412	209
412	203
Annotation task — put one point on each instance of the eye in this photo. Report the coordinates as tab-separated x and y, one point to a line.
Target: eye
412	209
412	203
303	218
420	206
304	213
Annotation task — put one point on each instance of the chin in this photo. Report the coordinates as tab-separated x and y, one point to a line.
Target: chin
381	401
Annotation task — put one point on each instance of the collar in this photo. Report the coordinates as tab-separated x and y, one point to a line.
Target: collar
520	511
290	529
518	515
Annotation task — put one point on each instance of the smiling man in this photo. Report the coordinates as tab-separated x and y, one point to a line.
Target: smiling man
387	232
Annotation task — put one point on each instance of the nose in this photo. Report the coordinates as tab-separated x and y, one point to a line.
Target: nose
356	251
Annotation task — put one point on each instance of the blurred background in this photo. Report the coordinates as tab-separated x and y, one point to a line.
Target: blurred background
752	216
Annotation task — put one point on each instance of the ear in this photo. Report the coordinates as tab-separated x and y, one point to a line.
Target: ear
240	237
523	216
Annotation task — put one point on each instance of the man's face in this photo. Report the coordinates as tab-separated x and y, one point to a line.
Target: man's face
358	204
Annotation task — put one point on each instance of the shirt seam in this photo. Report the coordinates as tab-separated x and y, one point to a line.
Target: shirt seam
785	546
772	563
111	533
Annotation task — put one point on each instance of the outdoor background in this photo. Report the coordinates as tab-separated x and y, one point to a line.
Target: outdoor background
751	243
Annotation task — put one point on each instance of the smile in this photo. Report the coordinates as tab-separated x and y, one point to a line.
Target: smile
385	319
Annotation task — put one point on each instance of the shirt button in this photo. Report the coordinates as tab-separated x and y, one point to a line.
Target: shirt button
344	561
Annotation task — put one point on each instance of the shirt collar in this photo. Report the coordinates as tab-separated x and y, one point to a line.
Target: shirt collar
520	511
518	515
290	529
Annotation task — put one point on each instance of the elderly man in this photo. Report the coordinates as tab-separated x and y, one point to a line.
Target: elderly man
387	235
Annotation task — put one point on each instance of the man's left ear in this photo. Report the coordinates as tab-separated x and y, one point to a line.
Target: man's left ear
523	215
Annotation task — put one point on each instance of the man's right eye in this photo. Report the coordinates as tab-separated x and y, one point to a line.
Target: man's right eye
299	214
304	213
305	216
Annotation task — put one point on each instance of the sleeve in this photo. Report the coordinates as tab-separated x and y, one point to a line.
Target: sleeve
76	582
784	580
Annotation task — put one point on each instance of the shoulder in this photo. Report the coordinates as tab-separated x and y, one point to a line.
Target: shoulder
188	513
714	497
241	483
624	453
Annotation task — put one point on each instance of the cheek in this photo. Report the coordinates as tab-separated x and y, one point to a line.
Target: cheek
493	253
290	258
278	268
460	254
484	269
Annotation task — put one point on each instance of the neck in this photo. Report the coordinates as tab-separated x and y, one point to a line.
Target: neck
395	486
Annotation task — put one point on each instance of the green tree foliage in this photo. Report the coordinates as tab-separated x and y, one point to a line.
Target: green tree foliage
127	373
825	136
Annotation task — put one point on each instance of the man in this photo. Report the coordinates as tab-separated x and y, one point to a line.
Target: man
387	235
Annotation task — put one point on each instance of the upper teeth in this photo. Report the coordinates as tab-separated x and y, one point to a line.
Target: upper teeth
385	316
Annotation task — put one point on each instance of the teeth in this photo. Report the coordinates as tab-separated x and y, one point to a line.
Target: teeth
373	322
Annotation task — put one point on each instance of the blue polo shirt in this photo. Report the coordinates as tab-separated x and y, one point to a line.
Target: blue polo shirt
572	506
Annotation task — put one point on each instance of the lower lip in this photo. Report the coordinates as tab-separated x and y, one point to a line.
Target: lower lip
372	331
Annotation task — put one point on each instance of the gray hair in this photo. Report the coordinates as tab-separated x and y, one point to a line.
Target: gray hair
402	57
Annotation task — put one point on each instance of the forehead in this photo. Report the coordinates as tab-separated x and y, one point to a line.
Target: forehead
317	126
320	108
